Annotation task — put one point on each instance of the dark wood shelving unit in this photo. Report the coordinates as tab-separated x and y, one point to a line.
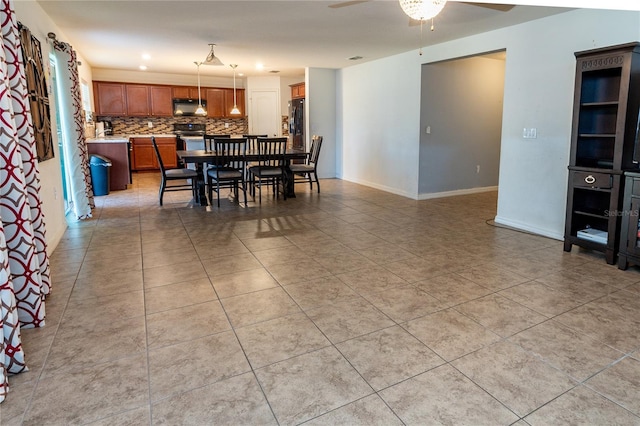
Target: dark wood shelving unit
603	144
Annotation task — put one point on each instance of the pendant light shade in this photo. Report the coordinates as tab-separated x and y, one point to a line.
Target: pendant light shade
200	110
422	10
212	59
235	109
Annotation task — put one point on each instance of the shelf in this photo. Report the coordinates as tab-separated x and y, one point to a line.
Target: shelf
589	214
597	135
599	104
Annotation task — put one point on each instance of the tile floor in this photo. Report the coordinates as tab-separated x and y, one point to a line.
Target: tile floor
352	307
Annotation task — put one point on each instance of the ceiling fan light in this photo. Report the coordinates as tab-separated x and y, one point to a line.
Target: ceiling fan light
212	59
422	10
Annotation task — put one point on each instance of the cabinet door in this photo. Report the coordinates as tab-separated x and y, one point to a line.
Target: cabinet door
110	98
216	103
144	157
239	103
161	105
138	100
187	92
167	148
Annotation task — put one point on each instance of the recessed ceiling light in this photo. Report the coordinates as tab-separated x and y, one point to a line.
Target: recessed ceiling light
259	66
355	58
143	67
146	56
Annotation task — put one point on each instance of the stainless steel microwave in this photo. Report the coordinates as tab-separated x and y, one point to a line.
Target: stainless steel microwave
186	107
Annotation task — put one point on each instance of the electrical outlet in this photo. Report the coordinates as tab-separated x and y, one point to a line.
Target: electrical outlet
226	125
428	130
478	168
150	124
529	133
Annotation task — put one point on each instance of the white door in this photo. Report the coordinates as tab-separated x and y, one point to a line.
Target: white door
264	115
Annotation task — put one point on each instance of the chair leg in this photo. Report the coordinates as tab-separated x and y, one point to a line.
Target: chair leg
218	192
163	183
310	181
317	181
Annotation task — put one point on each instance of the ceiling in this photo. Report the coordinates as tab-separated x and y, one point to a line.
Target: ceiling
285	36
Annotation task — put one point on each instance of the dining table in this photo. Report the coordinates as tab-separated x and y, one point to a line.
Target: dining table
200	157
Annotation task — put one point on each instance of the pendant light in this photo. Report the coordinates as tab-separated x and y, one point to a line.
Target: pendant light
235	109
200	110
422	10
212	59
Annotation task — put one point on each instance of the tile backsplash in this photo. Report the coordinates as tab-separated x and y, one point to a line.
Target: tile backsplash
164	125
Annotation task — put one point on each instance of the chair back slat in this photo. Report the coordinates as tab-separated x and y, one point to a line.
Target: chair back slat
209	141
316	144
231	152
252	142
271	152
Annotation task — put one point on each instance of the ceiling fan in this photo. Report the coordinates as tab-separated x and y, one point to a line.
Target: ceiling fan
495	6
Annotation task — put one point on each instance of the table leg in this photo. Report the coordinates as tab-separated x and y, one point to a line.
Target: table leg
290	187
201	196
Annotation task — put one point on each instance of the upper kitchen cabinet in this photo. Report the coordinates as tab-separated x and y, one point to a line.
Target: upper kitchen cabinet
138	100
240	101
161	105
187	92
220	103
297	91
215	102
110	98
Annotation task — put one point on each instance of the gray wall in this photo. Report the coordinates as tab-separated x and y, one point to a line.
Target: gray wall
461	101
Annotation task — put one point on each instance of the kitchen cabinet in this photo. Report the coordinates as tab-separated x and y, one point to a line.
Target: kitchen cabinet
186	92
216	102
229	103
138	100
297	90
143	156
110	98
605	121
220	102
161	101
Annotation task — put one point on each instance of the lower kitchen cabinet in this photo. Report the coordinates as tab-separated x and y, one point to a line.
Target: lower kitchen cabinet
118	153
630	231
143	157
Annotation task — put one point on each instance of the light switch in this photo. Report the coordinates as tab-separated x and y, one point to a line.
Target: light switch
428	130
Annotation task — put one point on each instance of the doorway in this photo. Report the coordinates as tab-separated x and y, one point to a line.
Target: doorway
461	124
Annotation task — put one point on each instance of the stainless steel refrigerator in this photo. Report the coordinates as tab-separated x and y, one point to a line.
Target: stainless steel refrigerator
296	123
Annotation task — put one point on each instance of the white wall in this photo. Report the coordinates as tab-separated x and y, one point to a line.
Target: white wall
380	122
539	81
32	15
321	116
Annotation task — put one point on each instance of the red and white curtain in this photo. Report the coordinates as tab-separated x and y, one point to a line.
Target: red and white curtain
72	123
24	265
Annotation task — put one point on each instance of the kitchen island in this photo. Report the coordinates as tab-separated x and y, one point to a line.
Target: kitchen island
116	149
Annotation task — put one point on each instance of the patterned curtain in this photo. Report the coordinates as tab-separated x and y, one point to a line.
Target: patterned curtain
24	266
72	123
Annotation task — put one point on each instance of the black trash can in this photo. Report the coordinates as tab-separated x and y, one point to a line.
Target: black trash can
100	173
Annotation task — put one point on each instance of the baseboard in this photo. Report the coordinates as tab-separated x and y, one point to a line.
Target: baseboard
528	228
380	187
457	192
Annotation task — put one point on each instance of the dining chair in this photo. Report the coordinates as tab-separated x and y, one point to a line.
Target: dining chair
173	175
252	141
308	171
229	168
270	168
209	141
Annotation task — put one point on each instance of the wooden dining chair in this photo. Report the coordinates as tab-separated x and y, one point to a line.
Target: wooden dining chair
229	168
308	172
174	175
270	168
